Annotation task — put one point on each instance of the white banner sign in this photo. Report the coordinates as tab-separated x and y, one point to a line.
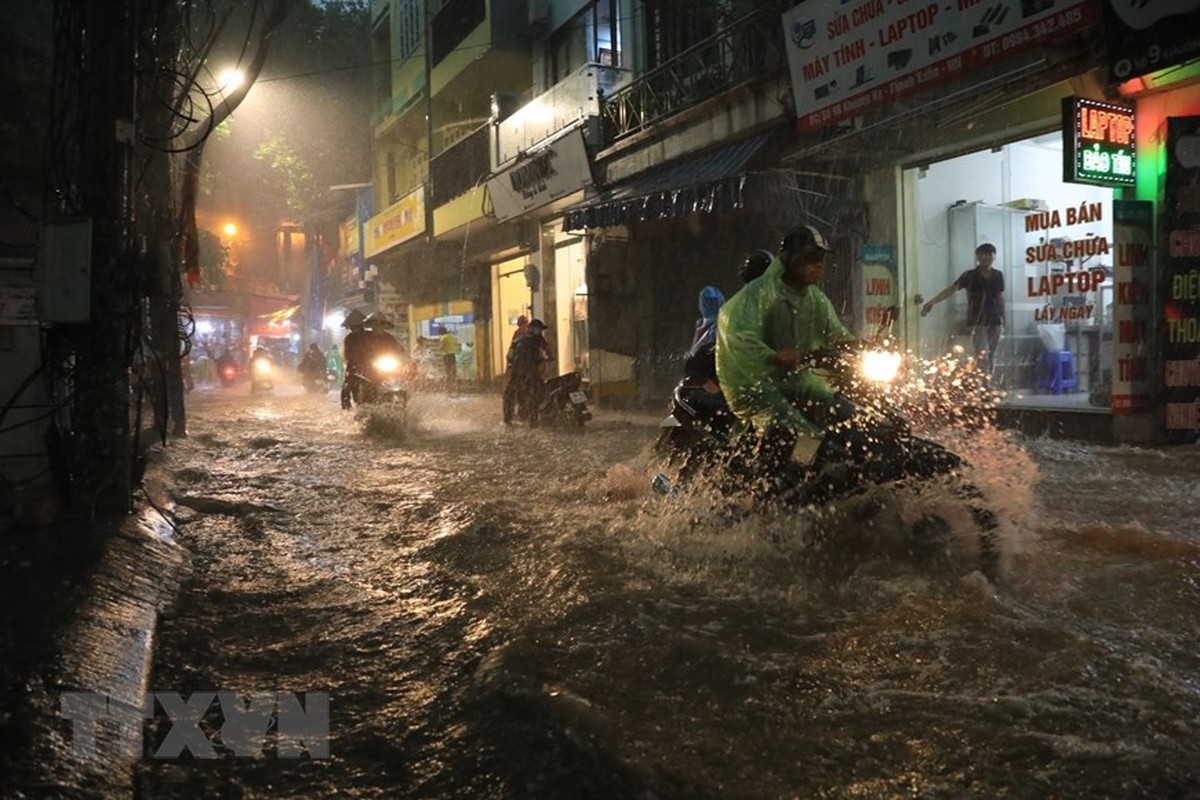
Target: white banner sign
18	305
541	177
848	57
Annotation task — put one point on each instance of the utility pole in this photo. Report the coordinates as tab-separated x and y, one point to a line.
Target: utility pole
99	380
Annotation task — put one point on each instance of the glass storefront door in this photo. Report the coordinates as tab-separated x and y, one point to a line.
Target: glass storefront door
1055	250
571	302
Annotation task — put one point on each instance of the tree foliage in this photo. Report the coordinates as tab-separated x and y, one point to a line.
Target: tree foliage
305	126
293	171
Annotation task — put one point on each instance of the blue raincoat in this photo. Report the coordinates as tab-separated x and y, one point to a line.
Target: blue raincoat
711	301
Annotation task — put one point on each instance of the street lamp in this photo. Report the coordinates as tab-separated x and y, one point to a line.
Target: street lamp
229	80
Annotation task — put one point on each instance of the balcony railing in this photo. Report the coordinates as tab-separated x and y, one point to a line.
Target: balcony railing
460	168
574	98
750	48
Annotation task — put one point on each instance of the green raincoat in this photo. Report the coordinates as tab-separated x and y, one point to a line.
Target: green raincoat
764	317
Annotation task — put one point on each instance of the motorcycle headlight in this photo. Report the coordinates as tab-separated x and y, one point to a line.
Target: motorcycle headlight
262	367
880	366
387	364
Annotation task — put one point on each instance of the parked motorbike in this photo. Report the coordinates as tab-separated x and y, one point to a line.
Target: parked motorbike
563	401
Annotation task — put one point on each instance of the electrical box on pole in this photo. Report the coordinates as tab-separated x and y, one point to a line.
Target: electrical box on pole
64	270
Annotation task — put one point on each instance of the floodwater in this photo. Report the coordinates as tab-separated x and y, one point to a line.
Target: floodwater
512	613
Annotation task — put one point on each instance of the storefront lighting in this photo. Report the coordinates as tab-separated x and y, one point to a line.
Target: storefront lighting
1099	142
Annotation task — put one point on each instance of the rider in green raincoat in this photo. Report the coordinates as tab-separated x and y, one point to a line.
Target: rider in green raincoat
765	330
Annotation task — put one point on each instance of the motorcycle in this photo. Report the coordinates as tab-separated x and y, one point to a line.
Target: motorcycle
318	382
697	427
262	375
380	382
563	401
873	445
227	372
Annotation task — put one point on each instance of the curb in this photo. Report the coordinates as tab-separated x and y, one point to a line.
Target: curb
105	653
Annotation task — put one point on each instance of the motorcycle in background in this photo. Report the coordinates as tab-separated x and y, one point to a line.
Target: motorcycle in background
318	382
262	373
315	375
563	401
227	369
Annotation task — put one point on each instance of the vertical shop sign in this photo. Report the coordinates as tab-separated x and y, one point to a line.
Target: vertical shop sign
1181	280
1133	230
879	284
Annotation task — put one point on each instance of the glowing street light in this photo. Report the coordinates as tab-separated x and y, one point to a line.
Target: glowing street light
229	80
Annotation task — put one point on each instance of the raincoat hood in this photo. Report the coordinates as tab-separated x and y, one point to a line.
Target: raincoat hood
711	301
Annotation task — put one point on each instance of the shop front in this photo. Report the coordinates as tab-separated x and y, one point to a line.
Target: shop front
547	282
1062	134
1091	223
441	329
1055	251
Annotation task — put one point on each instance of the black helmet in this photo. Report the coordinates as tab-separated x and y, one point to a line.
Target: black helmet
755	264
803	241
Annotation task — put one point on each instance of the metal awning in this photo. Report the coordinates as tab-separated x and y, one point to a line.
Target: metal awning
709	183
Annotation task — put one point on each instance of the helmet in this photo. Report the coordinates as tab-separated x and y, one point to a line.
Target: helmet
803	241
353	319
755	264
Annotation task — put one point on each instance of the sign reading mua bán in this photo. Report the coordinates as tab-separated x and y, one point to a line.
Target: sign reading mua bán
540	177
846	57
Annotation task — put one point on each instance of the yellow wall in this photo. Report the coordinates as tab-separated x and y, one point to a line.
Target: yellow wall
459	211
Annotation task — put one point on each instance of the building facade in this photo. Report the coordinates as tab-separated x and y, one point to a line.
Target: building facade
596	164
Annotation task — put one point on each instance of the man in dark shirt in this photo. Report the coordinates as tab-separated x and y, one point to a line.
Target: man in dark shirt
985	304
529	355
356	352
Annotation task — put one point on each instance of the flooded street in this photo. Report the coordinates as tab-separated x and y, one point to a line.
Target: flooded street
512	613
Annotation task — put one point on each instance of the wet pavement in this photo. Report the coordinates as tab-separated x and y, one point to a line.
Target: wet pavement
499	612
